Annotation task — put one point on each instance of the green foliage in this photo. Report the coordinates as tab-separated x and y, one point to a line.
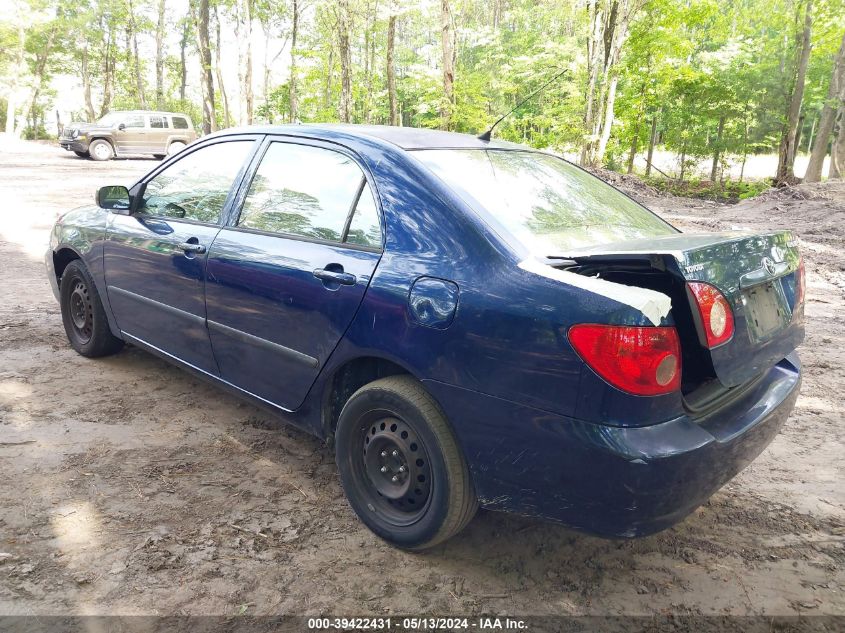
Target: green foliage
728	191
694	67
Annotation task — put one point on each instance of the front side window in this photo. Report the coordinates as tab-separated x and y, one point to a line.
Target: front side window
196	186
158	122
305	191
180	123
134	121
547	204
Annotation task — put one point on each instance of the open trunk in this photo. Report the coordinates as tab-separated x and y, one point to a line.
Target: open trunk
758	274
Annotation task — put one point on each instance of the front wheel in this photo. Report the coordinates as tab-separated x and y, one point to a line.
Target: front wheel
400	465
84	318
101	150
81	154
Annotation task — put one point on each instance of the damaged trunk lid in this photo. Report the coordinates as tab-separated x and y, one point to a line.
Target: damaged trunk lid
758	274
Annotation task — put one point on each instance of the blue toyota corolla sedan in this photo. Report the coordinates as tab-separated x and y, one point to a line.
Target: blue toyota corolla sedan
467	322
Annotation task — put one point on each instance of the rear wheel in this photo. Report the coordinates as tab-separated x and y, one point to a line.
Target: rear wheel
400	465
101	150
175	147
84	318
159	156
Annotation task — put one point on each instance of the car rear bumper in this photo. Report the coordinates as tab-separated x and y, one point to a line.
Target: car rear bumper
613	481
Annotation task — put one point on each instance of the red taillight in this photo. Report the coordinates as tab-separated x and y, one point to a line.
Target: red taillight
645	361
717	318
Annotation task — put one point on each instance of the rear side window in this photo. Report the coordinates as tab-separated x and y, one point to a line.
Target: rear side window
180	123
306	191
364	229
158	122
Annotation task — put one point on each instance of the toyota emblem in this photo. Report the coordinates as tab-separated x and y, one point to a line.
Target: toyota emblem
768	266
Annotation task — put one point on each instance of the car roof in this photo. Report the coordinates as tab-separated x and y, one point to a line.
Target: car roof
149	112
407	138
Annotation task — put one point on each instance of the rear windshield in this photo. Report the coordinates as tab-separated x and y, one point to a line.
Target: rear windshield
548	204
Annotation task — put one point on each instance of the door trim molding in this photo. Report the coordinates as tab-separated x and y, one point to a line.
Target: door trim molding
157	304
244	337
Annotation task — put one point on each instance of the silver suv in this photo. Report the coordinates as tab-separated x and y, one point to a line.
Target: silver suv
129	132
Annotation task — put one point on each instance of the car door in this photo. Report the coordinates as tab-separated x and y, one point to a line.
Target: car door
131	134
286	278
157	135
155	258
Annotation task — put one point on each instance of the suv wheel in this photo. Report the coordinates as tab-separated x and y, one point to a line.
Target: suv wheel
81	154
101	150
175	147
400	465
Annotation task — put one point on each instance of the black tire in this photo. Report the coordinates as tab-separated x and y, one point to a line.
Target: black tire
433	498
101	150
159	156
81	154
84	318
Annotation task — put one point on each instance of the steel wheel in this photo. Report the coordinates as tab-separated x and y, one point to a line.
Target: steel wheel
81	312
83	316
400	465
397	469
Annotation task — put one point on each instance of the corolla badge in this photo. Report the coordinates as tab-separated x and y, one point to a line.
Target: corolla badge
768	266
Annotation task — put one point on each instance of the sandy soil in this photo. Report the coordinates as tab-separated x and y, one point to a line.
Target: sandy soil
129	487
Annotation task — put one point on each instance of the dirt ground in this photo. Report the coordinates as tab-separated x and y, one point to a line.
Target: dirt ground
127	486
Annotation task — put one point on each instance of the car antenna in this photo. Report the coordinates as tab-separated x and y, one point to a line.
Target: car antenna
486	136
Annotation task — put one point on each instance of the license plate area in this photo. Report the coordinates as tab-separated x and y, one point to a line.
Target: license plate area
765	310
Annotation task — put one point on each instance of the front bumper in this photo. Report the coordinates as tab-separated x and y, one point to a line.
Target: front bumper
78	144
613	481
51	272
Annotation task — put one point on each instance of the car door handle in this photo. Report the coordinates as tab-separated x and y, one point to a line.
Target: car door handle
338	277
190	247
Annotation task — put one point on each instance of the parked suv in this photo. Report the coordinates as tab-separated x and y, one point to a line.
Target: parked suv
133	132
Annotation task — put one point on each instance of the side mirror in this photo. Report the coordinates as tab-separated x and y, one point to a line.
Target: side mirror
114	198
121	126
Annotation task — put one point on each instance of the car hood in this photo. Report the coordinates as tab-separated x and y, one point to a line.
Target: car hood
88	127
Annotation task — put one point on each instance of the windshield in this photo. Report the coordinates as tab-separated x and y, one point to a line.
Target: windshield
548	204
112	118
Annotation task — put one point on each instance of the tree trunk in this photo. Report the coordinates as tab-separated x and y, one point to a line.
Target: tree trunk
160	55
183	68
837	150
717	152
391	69
18	74
835	98
634	143
786	155
294	32
218	72
609	29
108	74
345	63
447	42
246	113
608	120
86	84
41	58
139	79
651	141
209	121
